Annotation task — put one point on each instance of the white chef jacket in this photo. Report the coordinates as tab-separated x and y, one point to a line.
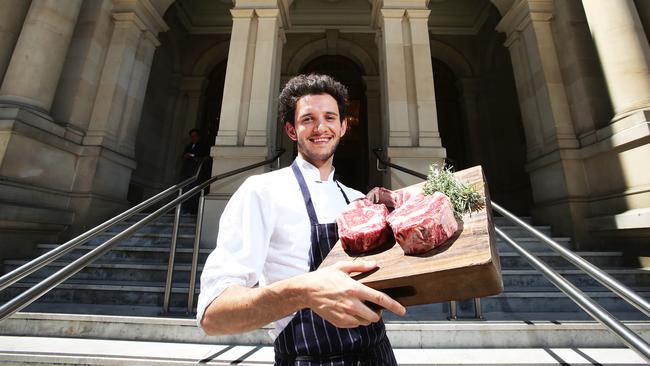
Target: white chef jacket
265	233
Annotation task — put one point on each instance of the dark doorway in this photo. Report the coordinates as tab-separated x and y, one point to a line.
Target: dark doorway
351	158
450	122
209	124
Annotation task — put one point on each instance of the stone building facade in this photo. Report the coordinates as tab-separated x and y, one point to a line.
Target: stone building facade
551	97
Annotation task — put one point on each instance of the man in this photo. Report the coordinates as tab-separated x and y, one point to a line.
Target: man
276	230
194	153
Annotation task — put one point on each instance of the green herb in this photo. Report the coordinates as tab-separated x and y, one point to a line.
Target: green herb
464	198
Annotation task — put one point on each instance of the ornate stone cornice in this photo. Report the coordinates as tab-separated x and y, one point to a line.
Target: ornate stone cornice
146	12
524	11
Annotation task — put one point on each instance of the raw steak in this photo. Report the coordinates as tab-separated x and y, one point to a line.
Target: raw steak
423	222
362	226
386	196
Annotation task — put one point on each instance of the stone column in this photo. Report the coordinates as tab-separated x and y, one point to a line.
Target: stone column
136	94
11	21
264	84
35	67
413	138
400	131
250	90
624	53
423	78
236	90
542	97
114	83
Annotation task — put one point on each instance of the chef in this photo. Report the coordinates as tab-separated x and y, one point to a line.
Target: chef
273	234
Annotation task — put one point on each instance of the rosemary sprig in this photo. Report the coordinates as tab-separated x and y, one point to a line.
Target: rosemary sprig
464	198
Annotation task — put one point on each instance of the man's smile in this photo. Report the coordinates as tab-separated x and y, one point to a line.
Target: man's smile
320	139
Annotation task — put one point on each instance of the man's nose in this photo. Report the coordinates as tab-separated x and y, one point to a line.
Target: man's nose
320	124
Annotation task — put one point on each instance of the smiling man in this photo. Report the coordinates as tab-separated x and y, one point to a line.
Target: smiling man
277	229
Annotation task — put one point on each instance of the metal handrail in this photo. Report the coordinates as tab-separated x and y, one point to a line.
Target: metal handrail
629	338
37	263
594	272
40	289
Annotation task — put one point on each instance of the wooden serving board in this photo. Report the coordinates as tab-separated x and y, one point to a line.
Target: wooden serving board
466	266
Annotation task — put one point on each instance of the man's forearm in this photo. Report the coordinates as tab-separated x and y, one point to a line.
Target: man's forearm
240	309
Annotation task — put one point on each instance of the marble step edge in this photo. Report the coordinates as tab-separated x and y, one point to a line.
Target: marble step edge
442	325
155	287
134	248
186	267
191	236
140	248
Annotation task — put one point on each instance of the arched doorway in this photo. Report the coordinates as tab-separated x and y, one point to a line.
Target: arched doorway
209	123
351	159
450	123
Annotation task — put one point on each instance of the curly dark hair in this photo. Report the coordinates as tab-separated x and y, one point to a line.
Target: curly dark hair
301	85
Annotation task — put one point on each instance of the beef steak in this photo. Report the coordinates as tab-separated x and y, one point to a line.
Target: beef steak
423	222
362	226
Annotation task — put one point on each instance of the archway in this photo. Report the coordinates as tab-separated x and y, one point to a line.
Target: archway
351	159
450	122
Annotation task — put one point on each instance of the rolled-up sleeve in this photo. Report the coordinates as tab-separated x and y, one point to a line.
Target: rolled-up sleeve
245	230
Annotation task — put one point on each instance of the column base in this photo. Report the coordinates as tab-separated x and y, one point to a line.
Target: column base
418	159
594	193
52	188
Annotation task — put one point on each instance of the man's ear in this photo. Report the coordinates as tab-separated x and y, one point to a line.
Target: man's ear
291	131
344	126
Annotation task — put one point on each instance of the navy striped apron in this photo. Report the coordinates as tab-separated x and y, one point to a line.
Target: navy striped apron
310	340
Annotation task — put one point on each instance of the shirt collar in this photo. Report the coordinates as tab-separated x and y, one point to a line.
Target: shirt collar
310	172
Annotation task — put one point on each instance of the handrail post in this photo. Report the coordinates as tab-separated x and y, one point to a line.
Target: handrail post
453	310
172	255
478	312
195	254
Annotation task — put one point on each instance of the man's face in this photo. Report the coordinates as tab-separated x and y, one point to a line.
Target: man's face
195	137
317	128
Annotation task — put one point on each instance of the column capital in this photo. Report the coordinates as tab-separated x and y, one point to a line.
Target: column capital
145	11
392	13
267	13
242	13
405	4
524	11
418	14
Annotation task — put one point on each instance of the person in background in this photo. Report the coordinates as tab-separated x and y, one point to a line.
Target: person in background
194	153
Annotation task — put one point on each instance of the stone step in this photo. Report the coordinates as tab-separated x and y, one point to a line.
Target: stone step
532	244
160	255
74	351
435	334
518	278
74	291
512	260
132	254
515	300
502	221
519	231
162	228
164	219
511	305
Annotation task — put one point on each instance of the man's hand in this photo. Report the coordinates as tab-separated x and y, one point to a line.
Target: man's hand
337	298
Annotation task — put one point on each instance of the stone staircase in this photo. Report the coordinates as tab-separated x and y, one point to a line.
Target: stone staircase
119	298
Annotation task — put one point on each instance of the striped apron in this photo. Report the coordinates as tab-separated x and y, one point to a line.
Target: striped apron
310	340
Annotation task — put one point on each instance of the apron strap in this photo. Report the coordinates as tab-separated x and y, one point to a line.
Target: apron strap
305	193
345	196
